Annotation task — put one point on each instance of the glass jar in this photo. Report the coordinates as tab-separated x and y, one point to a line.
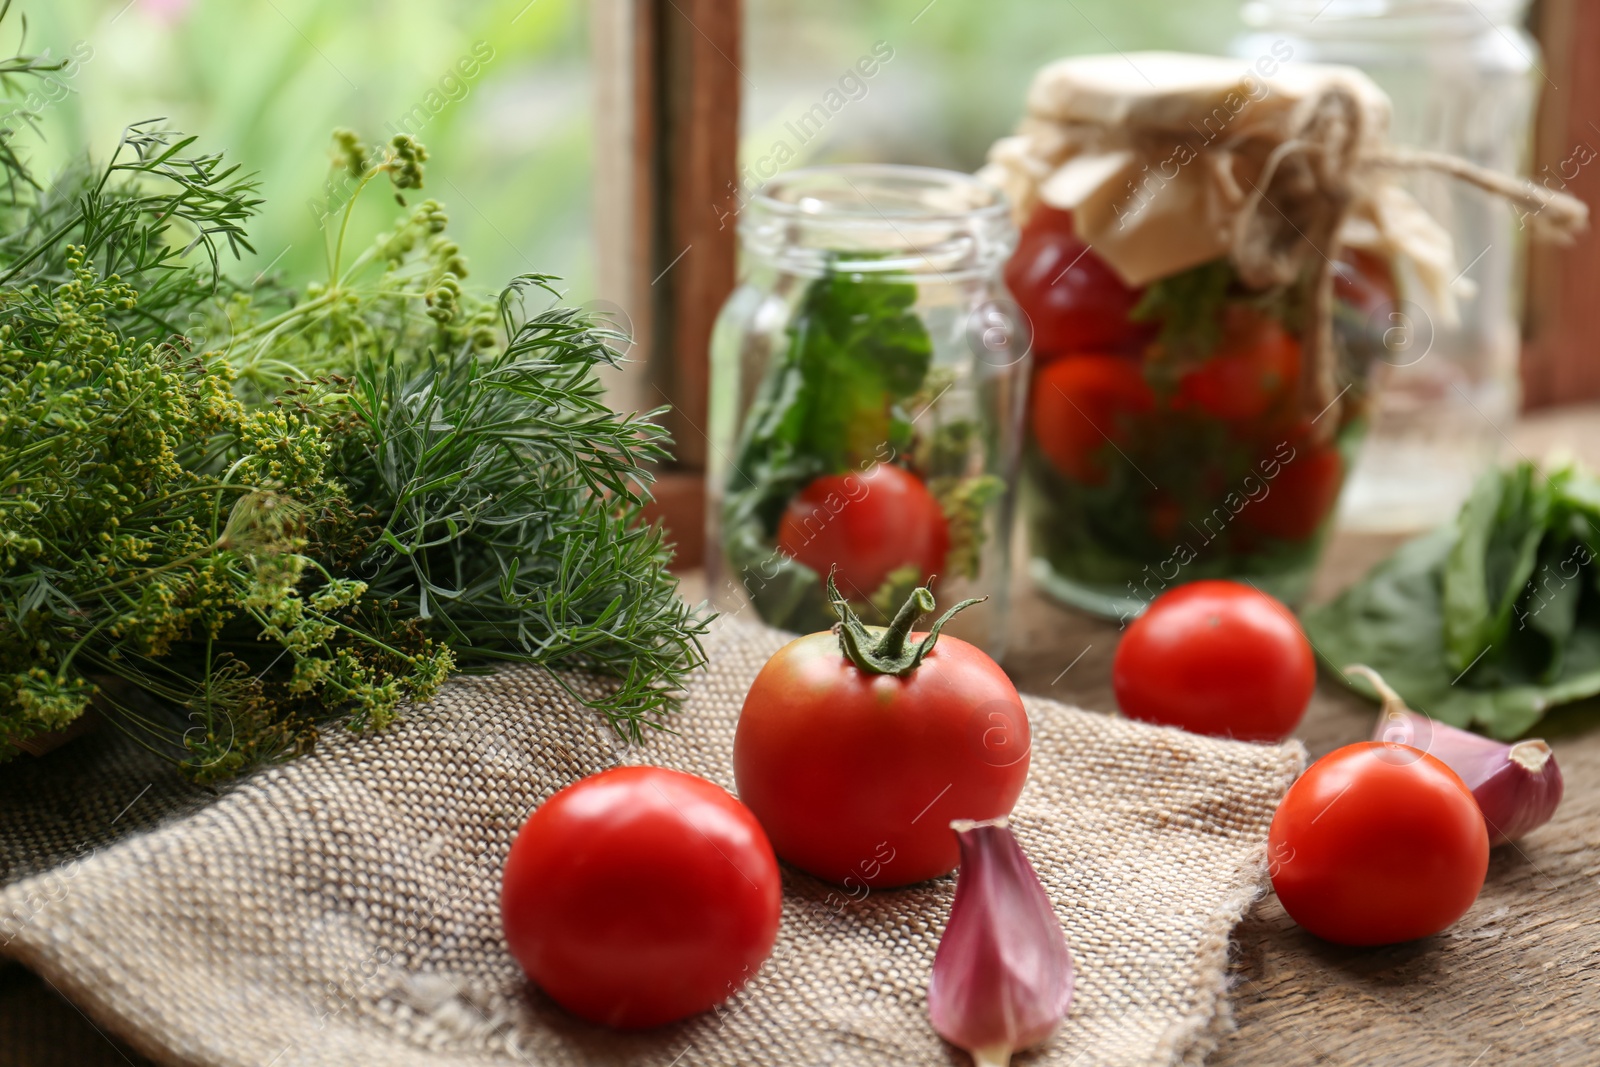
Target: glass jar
868	380
1176	431
1463	79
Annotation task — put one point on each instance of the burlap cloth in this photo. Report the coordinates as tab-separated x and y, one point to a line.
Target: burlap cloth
342	909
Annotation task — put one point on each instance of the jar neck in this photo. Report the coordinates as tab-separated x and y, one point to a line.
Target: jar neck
902	222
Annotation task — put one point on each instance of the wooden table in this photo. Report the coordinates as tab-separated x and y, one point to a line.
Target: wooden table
1515	981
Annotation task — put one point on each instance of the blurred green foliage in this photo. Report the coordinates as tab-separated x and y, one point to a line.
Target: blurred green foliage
267	80
959	72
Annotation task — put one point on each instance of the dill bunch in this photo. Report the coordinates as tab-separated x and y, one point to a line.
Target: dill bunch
152	536
501	502
491	493
360	484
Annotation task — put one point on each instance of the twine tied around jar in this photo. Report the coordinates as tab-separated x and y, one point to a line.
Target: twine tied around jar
1168	161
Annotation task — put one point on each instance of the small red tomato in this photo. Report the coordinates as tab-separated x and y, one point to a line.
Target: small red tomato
1074	301
1255	365
1377	843
1219	658
1082	406
1301	495
856	770
638	896
868	525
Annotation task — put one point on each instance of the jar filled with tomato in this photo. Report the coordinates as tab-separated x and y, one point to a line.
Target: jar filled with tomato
867	399
1169	434
1205	263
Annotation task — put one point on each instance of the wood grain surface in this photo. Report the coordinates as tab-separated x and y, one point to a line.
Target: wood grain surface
1516	981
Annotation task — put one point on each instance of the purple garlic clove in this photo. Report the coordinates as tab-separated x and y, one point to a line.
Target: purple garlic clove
1002	978
1517	786
1518	793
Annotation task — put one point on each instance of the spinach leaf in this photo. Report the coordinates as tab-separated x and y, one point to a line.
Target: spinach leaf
1549	613
1490	621
1497	543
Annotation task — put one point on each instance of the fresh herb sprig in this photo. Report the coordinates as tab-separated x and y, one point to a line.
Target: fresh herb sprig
152	535
501	501
139	218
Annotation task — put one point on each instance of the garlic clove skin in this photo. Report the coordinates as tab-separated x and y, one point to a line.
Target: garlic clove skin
1517	786
1002	978
1517	794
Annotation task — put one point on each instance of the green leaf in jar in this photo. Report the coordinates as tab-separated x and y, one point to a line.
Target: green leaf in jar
856	354
857	349
965	502
1188	305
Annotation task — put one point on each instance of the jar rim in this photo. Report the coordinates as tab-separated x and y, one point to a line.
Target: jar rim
919	190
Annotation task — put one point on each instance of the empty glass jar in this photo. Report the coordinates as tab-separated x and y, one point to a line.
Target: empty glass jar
1463	78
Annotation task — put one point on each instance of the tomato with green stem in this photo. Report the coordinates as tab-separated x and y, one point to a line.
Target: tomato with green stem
856	748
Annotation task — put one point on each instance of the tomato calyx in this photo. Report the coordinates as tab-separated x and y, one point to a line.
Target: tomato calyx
890	650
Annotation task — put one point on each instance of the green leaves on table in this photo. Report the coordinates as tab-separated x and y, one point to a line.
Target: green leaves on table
1489	621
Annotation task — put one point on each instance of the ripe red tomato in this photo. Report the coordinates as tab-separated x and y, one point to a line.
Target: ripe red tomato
1302	494
1218	658
868	525
1081	406
856	774
1256	365
640	895
1075	302
1377	843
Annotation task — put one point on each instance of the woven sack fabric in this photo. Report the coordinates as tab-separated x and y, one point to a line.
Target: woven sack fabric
343	908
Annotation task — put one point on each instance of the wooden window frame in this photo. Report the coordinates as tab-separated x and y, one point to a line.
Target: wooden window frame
667	142
1561	319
